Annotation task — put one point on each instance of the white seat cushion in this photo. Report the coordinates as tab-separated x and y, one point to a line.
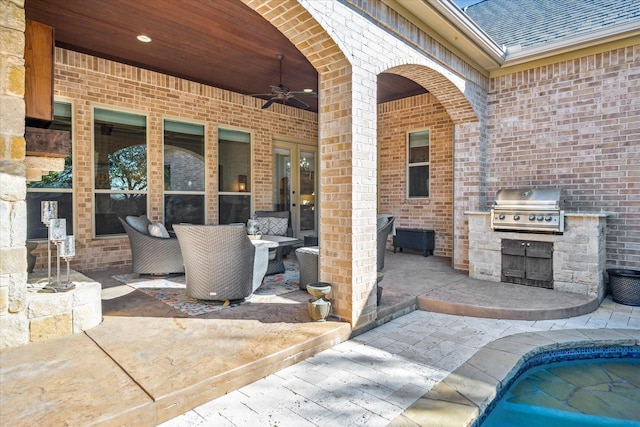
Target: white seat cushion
157	229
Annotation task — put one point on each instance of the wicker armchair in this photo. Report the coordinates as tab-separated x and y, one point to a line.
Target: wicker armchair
385	225
308	258
153	255
219	261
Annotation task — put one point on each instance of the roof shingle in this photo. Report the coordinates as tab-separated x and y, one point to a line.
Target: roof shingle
530	23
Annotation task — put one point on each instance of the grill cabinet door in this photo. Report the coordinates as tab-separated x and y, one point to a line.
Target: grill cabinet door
513	262
539	268
527	263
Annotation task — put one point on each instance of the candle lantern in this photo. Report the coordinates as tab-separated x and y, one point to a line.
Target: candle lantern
68	247
57	229
49	211
57	234
68	251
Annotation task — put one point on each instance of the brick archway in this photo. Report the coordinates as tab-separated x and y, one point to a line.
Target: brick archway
451	97
336	148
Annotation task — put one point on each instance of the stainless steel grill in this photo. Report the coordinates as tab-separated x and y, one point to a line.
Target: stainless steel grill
529	210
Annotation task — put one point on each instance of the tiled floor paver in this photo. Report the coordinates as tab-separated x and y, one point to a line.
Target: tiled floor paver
372	378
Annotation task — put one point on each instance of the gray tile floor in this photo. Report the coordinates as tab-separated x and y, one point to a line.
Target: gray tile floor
373	378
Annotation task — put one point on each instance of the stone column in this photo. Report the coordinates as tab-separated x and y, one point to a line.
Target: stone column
13	253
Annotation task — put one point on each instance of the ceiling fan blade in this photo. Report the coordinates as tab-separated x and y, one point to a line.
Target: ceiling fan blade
268	103
301	92
296	103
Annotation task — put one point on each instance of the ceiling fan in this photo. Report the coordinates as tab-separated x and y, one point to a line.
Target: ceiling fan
285	95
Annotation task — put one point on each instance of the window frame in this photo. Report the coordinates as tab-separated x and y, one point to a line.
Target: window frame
205	177
95	191
410	164
250	179
71	190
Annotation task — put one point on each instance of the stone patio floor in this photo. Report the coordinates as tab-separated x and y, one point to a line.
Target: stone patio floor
267	365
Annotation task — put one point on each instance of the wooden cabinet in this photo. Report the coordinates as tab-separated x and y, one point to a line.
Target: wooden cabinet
38	58
527	263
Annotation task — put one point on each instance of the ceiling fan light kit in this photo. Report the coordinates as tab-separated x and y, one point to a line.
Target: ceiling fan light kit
285	95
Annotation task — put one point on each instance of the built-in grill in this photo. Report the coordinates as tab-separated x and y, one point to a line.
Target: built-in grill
529	210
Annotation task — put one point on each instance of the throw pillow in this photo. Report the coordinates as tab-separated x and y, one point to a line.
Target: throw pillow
263	225
278	226
157	230
273	226
140	223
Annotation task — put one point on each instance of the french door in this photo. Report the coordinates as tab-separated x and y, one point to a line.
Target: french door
295	185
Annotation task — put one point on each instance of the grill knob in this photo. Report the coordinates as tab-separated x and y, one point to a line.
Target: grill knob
516	217
532	217
501	216
548	218
540	218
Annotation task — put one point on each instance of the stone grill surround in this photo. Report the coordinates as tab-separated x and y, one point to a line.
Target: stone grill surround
579	256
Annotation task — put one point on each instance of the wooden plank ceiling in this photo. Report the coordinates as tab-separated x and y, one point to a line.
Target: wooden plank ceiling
222	43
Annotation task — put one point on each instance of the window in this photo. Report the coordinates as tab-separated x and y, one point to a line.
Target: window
57	186
234	176
120	168
418	164
184	172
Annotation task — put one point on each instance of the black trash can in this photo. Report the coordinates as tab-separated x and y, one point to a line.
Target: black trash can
624	286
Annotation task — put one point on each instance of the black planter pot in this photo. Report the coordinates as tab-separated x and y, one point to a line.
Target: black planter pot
624	286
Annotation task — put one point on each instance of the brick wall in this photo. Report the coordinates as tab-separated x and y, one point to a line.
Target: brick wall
395	120
576	125
86	81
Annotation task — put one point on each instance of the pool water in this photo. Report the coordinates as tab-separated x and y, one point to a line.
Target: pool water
585	393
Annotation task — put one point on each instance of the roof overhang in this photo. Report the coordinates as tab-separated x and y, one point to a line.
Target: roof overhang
449	25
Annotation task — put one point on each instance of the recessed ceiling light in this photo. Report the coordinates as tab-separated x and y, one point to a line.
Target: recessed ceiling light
143	38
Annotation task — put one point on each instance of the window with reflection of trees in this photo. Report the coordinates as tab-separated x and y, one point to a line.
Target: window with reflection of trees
120	168
184	173
234	176
56	186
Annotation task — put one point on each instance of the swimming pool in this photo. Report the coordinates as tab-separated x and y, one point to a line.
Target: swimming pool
584	387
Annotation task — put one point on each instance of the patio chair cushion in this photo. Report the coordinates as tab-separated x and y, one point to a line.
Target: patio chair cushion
157	229
139	223
273	226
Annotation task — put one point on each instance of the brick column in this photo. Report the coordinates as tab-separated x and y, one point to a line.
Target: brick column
13	254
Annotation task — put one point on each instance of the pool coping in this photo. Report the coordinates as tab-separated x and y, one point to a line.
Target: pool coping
460	398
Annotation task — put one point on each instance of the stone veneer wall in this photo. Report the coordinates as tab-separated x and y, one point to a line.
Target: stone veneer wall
13	230
395	120
574	124
579	255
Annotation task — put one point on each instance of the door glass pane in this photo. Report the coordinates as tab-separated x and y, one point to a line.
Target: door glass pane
282	180
307	190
